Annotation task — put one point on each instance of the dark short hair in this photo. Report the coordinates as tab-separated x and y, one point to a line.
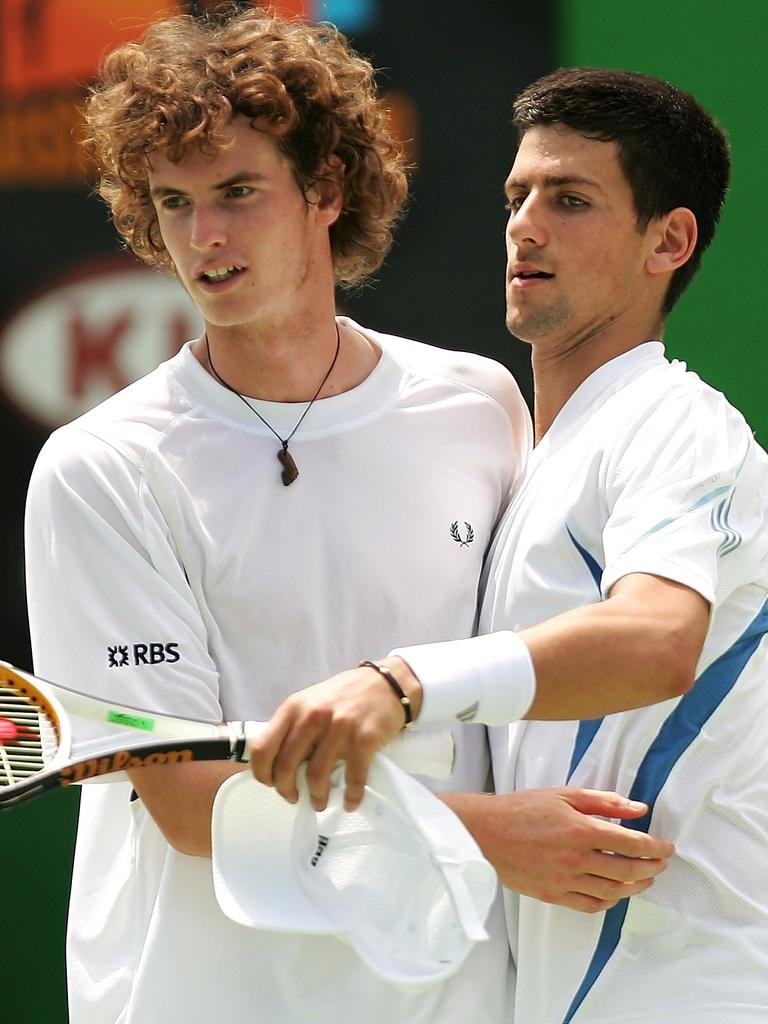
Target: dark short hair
179	88
670	149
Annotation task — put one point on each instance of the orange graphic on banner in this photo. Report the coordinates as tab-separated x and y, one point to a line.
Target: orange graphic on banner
39	140
404	123
50	50
292	8
47	44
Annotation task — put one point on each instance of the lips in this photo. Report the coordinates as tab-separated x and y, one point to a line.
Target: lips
527	272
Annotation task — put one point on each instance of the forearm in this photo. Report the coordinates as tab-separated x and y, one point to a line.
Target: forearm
180	800
614	656
638	647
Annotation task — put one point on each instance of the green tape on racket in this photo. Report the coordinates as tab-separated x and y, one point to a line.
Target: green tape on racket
134	722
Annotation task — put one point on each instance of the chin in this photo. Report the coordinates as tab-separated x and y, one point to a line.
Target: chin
517	327
542	324
230	316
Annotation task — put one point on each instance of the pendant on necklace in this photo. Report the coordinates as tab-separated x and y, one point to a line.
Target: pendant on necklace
290	469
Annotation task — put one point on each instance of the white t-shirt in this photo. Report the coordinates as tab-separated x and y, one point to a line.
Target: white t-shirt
646	469
169	567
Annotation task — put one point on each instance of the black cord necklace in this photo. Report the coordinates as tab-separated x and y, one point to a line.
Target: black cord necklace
290	469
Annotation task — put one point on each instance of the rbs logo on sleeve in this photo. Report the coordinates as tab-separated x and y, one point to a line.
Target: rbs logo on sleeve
142	654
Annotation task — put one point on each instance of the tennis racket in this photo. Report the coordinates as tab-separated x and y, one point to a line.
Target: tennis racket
36	739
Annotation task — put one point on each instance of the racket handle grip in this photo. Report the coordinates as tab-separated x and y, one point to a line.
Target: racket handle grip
428	752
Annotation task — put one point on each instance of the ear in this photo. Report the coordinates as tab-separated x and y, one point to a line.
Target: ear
327	193
673	239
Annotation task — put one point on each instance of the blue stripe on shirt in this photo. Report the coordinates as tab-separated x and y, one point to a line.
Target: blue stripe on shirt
588	728
595	569
672	519
675	736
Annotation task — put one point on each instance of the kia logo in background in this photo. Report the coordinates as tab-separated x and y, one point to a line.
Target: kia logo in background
89	334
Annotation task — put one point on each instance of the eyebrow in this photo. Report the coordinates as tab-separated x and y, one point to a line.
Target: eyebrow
554	181
241	178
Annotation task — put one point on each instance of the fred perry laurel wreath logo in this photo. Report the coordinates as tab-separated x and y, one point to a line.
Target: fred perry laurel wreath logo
141	654
465	541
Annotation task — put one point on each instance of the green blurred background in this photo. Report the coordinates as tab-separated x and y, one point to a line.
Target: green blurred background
718	52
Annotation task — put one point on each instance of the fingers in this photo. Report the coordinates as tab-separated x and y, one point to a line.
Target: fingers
320	765
589	902
356	748
609	805
275	755
603	877
263	748
629	842
584	904
607	891
320	740
611	837
607	878
623	869
356	775
347	717
592	893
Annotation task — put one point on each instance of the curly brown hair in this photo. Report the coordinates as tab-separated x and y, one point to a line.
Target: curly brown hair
183	82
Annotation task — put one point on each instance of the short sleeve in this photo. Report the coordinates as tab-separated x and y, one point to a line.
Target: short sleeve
686	493
110	608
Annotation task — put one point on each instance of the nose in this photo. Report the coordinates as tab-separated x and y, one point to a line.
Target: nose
527	223
208	229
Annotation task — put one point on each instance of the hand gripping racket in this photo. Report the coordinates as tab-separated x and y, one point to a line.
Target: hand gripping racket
36	739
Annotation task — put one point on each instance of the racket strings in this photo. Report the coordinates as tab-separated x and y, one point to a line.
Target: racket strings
30	737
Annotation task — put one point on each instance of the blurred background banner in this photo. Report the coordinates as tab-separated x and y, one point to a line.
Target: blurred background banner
80	318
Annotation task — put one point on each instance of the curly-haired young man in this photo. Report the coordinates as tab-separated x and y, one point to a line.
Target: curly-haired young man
268	505
626	600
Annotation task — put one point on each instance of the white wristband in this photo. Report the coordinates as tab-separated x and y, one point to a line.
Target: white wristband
487	678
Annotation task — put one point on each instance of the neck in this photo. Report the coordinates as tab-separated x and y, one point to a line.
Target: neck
558	371
286	362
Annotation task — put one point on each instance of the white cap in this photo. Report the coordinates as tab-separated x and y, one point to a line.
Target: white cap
400	878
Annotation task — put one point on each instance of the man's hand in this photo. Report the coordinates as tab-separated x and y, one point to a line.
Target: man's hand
546	844
350	716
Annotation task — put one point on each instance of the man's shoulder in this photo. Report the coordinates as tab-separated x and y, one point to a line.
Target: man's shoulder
467	369
152	397
673	392
463	370
123	427
670	417
153	401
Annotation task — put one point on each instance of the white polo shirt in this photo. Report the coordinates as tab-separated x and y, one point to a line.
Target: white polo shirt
158	522
646	469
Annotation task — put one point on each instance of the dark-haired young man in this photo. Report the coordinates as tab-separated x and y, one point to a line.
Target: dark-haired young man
626	593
